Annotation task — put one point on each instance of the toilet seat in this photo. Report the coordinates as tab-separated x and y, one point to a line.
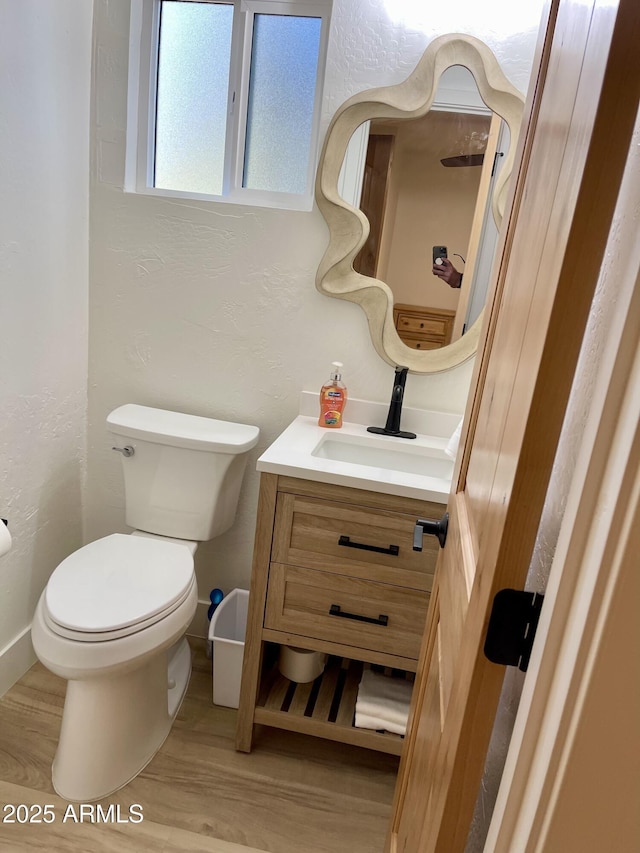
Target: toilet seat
117	586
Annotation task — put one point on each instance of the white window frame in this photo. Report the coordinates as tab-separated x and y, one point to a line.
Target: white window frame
143	65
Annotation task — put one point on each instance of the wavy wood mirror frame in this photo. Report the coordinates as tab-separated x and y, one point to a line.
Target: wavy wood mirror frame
349	227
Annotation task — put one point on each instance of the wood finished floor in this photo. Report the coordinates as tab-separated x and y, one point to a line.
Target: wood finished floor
292	794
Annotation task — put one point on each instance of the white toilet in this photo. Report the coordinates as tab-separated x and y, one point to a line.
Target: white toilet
113	616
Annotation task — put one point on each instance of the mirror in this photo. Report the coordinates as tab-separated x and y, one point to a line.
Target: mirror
424	182
383	258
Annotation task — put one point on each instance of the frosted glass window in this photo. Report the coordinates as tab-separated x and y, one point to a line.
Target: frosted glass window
282	85
227	95
192	92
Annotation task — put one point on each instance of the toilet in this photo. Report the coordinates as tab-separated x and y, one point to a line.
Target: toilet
113	616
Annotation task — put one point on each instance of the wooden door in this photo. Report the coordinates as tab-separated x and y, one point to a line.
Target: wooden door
573	148
481	211
374	200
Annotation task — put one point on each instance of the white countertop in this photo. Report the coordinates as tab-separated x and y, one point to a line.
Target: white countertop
296	451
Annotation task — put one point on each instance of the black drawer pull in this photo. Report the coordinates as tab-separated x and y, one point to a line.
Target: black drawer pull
393	550
383	619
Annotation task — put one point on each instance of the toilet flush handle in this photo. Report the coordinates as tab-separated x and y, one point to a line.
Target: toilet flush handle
127	450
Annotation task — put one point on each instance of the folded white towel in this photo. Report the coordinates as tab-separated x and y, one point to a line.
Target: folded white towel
363	721
452	445
383	702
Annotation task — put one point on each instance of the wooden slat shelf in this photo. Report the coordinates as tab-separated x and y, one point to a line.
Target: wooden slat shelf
324	707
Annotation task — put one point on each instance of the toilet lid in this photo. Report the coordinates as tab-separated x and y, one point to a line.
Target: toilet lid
118	582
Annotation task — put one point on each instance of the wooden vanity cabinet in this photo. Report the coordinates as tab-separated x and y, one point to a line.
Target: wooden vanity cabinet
334	570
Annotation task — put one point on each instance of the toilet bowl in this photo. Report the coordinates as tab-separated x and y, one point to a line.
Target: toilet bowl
113	616
112	622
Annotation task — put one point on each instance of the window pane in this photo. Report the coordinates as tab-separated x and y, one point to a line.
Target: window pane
191	108
284	64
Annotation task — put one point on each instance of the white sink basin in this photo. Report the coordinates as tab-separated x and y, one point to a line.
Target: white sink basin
402	456
352	456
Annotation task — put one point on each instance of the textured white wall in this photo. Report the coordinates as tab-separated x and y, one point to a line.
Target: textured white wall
211	308
45	62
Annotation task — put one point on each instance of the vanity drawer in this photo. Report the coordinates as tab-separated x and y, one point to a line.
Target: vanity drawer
422	325
359	613
373	544
420	343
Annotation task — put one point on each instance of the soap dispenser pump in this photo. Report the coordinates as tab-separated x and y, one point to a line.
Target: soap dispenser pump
333	398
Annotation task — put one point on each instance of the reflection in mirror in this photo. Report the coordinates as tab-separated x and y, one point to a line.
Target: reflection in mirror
424	177
425	182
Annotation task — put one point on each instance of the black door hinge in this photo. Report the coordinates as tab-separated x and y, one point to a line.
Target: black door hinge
512	627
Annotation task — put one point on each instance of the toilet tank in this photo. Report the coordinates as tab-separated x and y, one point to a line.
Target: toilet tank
183	479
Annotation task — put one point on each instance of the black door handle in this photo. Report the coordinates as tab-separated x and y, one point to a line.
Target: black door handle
433	527
392	550
335	610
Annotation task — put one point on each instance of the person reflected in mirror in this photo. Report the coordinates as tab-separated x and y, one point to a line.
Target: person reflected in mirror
446	271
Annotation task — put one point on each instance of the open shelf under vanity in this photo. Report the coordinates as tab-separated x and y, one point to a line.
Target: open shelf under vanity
324	707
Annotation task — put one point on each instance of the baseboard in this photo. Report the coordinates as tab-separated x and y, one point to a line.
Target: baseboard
15	659
18	655
199	626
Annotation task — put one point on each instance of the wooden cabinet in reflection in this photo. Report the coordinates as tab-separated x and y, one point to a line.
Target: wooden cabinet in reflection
423	328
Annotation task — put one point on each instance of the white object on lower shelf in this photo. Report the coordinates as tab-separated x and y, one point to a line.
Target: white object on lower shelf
383	703
226	631
301	665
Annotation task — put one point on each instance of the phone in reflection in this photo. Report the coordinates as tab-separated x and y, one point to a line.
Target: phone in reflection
439	252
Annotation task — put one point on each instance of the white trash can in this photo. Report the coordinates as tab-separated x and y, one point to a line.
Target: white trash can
226	631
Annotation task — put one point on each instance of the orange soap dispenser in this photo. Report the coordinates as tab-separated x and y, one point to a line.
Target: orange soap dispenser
333	398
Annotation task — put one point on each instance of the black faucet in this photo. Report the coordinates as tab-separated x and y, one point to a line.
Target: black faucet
392	426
